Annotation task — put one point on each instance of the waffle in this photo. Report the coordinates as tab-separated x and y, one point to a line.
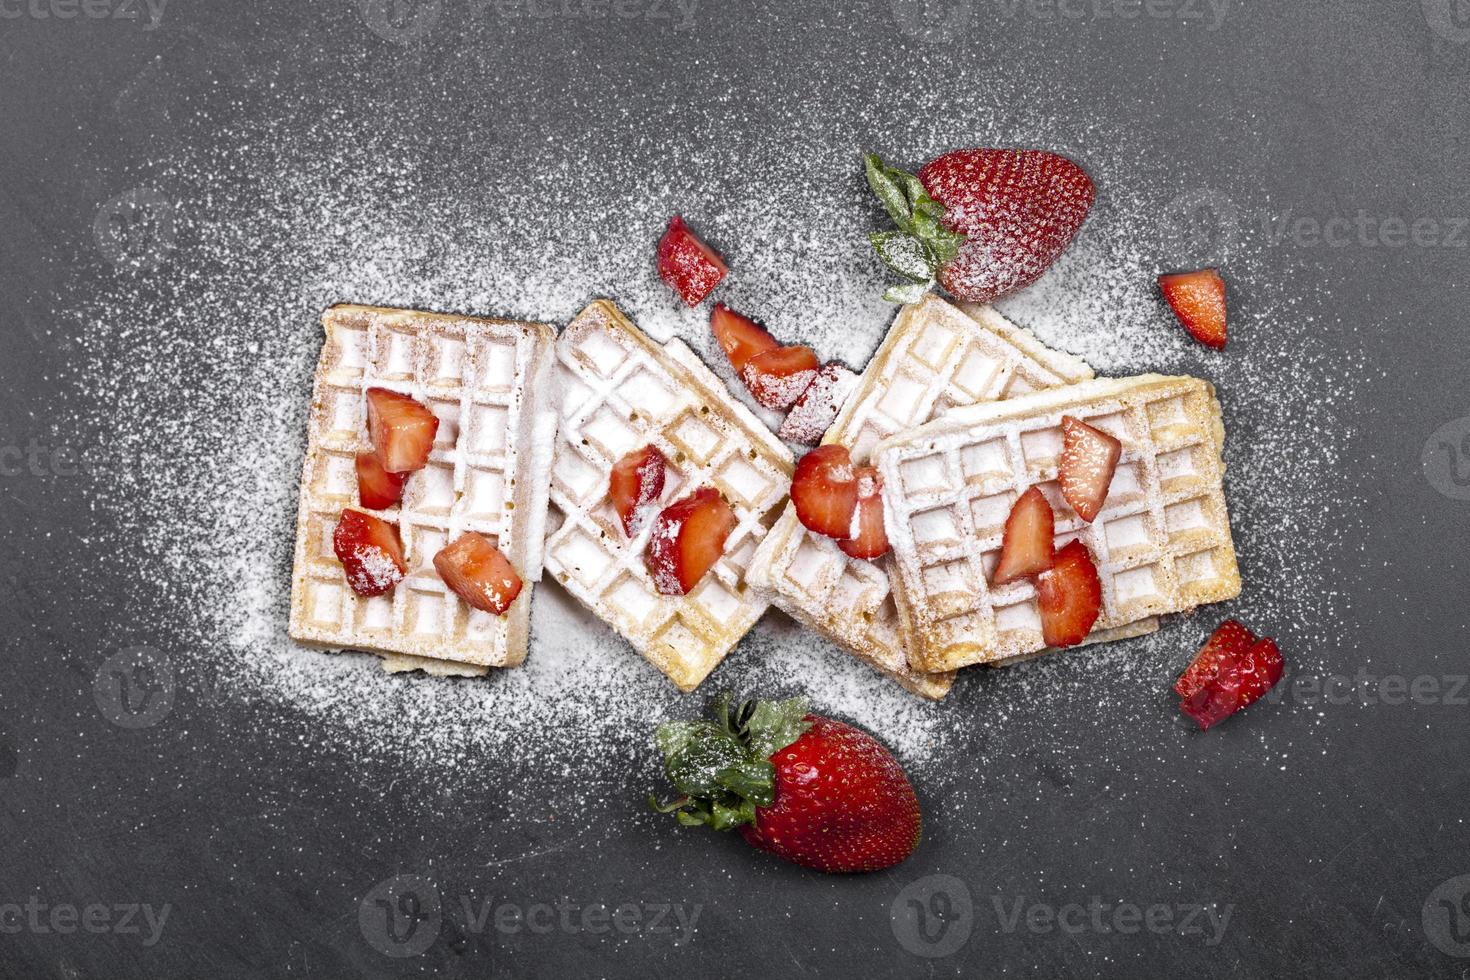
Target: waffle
1161	543
620	391
486	380
936	358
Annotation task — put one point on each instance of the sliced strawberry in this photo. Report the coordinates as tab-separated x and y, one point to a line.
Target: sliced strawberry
476	571
1228	643
377	489
1026	546
824	490
636	484
688	538
869	539
370	551
1089	457
817	408
740	337
778	377
690	267
1198	299
402	430
1069	595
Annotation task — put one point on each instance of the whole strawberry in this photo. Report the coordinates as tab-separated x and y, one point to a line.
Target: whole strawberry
815	791
983	223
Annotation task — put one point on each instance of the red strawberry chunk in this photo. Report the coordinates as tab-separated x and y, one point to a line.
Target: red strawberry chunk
777	378
688	537
817	408
1232	671
740	337
1026	545
869	539
1198	300
402	430
690	267
377	489
476	571
637	482
370	551
1089	458
1069	596
824	490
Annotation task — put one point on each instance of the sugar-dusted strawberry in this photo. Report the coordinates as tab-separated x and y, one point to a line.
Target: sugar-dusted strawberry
370	551
740	337
688	537
983	222
824	490
777	378
1026	545
1232	671
869	538
377	489
1198	300
817	408
690	267
1069	596
402	430
1089	458
636	483
476	571
810	790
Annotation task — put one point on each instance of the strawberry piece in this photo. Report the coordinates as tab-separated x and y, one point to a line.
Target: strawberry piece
370	551
688	538
1232	671
402	430
476	571
1089	458
636	484
869	539
817	408
690	267
1069	595
778	377
1198	300
740	337
824	490
1026	545
377	489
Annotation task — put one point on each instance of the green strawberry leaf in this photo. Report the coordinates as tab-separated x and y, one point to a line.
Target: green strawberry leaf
909	292
895	202
904	254
773	725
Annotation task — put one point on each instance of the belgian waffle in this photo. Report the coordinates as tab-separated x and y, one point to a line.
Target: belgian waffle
619	391
1161	542
486	381
936	358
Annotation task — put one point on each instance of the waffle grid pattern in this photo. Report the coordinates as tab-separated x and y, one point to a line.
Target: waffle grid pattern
1161	543
936	358
619	391
485	381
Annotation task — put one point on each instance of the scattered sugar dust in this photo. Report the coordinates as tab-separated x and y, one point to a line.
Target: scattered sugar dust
282	216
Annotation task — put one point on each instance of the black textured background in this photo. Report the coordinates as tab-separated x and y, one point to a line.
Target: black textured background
265	844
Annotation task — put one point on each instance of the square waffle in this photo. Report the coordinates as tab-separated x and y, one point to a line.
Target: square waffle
1161	542
487	382
937	357
620	391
